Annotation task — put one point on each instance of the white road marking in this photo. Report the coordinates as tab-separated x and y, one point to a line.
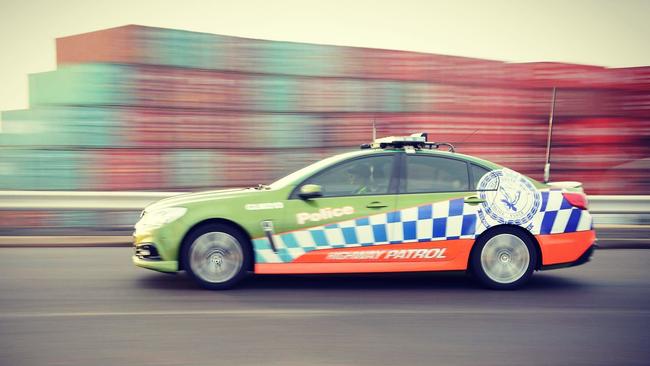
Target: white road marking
620	239
324	312
620	226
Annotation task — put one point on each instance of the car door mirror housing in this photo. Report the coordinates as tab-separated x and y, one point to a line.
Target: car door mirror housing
310	191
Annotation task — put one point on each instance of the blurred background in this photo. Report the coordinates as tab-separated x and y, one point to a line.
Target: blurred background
137	108
100	117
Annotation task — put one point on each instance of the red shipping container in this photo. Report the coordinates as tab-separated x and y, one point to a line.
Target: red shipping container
126	169
23	219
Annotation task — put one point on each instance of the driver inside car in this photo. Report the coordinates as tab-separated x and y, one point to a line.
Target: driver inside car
361	177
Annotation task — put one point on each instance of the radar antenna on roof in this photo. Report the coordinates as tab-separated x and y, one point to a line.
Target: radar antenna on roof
374	131
547	165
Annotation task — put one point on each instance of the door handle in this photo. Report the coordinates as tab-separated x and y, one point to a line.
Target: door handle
473	200
376	204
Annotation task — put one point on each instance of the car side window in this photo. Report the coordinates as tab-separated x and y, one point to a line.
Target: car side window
477	173
426	174
357	177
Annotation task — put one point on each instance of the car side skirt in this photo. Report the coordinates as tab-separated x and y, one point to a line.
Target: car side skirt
447	255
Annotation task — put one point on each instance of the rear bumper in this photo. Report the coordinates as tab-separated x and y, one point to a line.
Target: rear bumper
563	248
584	258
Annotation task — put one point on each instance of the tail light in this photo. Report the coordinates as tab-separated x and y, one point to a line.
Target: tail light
578	200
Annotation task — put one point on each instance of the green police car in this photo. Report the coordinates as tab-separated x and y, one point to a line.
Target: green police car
399	204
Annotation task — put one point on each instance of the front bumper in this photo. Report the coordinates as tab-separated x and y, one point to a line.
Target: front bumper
146	255
156	249
156	265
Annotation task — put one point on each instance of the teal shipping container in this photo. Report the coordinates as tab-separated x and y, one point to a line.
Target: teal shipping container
63	126
41	169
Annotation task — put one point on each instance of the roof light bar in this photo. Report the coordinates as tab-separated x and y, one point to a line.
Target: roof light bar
416	140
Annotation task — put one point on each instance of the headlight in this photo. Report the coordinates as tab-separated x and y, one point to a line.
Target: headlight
160	217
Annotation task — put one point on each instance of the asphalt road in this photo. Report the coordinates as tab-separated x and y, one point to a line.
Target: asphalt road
90	306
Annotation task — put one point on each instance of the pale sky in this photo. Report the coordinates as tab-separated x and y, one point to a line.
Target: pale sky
605	33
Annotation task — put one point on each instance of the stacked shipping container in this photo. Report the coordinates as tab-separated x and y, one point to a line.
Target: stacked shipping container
140	108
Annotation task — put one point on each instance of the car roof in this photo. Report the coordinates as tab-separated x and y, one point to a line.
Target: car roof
433	152
298	176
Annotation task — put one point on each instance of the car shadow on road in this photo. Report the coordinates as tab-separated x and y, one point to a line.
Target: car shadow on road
448	281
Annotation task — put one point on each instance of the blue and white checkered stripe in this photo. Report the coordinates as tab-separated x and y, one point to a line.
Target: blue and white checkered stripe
558	216
445	220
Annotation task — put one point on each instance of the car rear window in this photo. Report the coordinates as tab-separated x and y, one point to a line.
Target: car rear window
477	173
434	174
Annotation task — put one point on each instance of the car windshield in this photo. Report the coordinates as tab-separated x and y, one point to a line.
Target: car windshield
313	168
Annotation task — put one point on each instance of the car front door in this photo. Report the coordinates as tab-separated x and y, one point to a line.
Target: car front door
354	209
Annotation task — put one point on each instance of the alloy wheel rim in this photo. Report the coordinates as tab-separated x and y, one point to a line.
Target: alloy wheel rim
216	257
505	258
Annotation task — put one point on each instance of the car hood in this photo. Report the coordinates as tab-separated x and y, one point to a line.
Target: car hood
189	198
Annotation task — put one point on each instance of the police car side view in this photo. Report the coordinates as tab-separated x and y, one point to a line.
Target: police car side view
400	204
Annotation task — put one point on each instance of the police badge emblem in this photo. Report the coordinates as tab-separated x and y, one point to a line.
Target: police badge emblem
510	198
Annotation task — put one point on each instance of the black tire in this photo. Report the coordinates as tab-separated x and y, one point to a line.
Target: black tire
504	259
216	256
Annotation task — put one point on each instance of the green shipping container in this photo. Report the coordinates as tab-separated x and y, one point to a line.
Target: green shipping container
85	84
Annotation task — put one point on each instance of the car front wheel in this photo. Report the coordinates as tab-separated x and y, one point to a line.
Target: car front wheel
216	256
504	259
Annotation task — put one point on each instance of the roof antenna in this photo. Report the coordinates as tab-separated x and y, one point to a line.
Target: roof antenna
547	166
467	137
374	131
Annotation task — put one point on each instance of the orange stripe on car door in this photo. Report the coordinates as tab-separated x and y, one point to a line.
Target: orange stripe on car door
456	254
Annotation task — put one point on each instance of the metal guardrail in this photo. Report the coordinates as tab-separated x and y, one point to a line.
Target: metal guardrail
620	221
619	204
72	200
124	201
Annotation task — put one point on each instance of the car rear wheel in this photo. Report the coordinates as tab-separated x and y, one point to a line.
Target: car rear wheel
216	256
504	259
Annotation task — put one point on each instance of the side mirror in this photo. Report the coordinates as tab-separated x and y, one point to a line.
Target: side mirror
310	191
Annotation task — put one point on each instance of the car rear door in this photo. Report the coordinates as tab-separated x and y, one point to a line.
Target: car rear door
437	208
